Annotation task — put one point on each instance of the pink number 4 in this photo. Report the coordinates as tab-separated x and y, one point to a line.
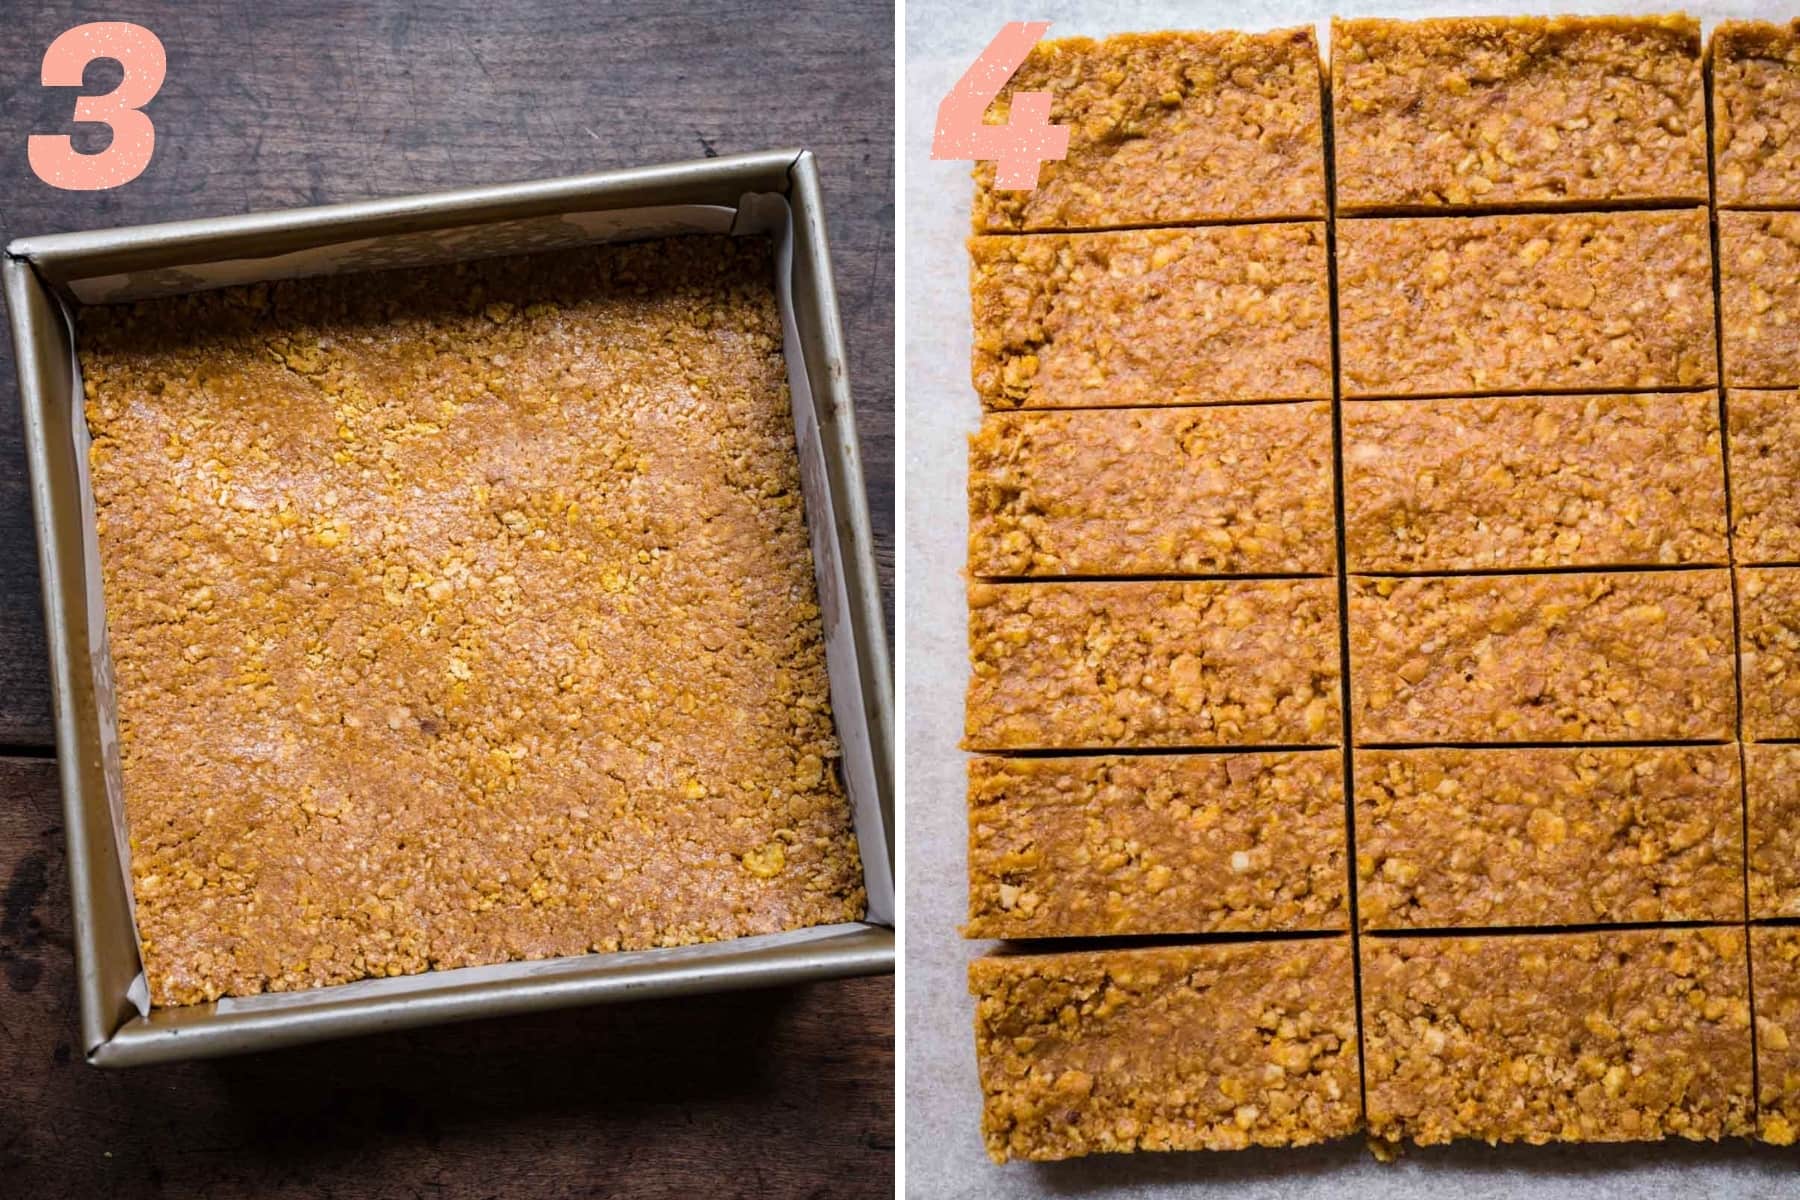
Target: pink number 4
1017	148
52	155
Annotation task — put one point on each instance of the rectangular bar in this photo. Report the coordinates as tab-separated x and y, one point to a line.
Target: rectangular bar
1759	298
1095	665
1530	302
1478	838
1157	316
1168	128
1537	658
1525	111
1756	112
1775	963
1156	844
1533	481
1772	794
1769	651
1765	474
1633	1035
1238	489
1175	1048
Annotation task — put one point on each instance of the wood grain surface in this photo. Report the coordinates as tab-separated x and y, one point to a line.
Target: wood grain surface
267	105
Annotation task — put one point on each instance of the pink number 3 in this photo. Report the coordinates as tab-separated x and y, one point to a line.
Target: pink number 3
53	155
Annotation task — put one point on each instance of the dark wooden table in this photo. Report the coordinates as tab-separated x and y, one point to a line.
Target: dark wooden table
271	105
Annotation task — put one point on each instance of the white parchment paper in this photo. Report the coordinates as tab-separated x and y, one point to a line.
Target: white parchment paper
945	1158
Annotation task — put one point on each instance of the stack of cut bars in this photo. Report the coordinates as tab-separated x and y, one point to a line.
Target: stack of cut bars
1458	604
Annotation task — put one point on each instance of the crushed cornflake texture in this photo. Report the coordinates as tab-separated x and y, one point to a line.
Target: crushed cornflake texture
1558	657
1759	298
1590	1037
1242	489
1775	962
1102	665
1756	112
1493	111
1769	651
1772	792
1533	481
1157	316
462	615
1547	836
1176	843
1179	1048
1166	128
1526	302
1765	473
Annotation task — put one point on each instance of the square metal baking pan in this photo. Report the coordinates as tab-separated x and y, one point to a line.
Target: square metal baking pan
46	277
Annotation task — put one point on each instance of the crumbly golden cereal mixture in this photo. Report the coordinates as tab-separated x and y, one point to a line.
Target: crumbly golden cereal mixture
462	615
1756	112
1175	1048
1558	657
1769	651
1235	489
1526	302
1166	128
1775	961
1772	793
1166	843
1517	111
1533	481
1765	474
1158	316
1548	836
1759	298
1100	665
1618	1036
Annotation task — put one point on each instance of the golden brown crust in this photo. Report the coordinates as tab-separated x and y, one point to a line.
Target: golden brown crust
428	592
1592	1037
1772	793
1236	489
1533	481
1769	651
1098	665
1166	128
1517	110
1561	657
1575	836
1176	843
1160	316
1765	474
1756	112
1179	1048
1775	962
1759	298
1529	302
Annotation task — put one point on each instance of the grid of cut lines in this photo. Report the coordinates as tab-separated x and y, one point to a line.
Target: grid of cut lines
1742	915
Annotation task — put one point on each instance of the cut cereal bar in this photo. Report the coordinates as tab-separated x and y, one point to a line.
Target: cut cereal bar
1533	481
1775	962
1756	112
1100	665
1759	298
1517	111
1236	489
1769	651
1558	657
1172	1048
1548	836
1525	302
1631	1035
1166	128
1160	316
1772	793
1156	844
